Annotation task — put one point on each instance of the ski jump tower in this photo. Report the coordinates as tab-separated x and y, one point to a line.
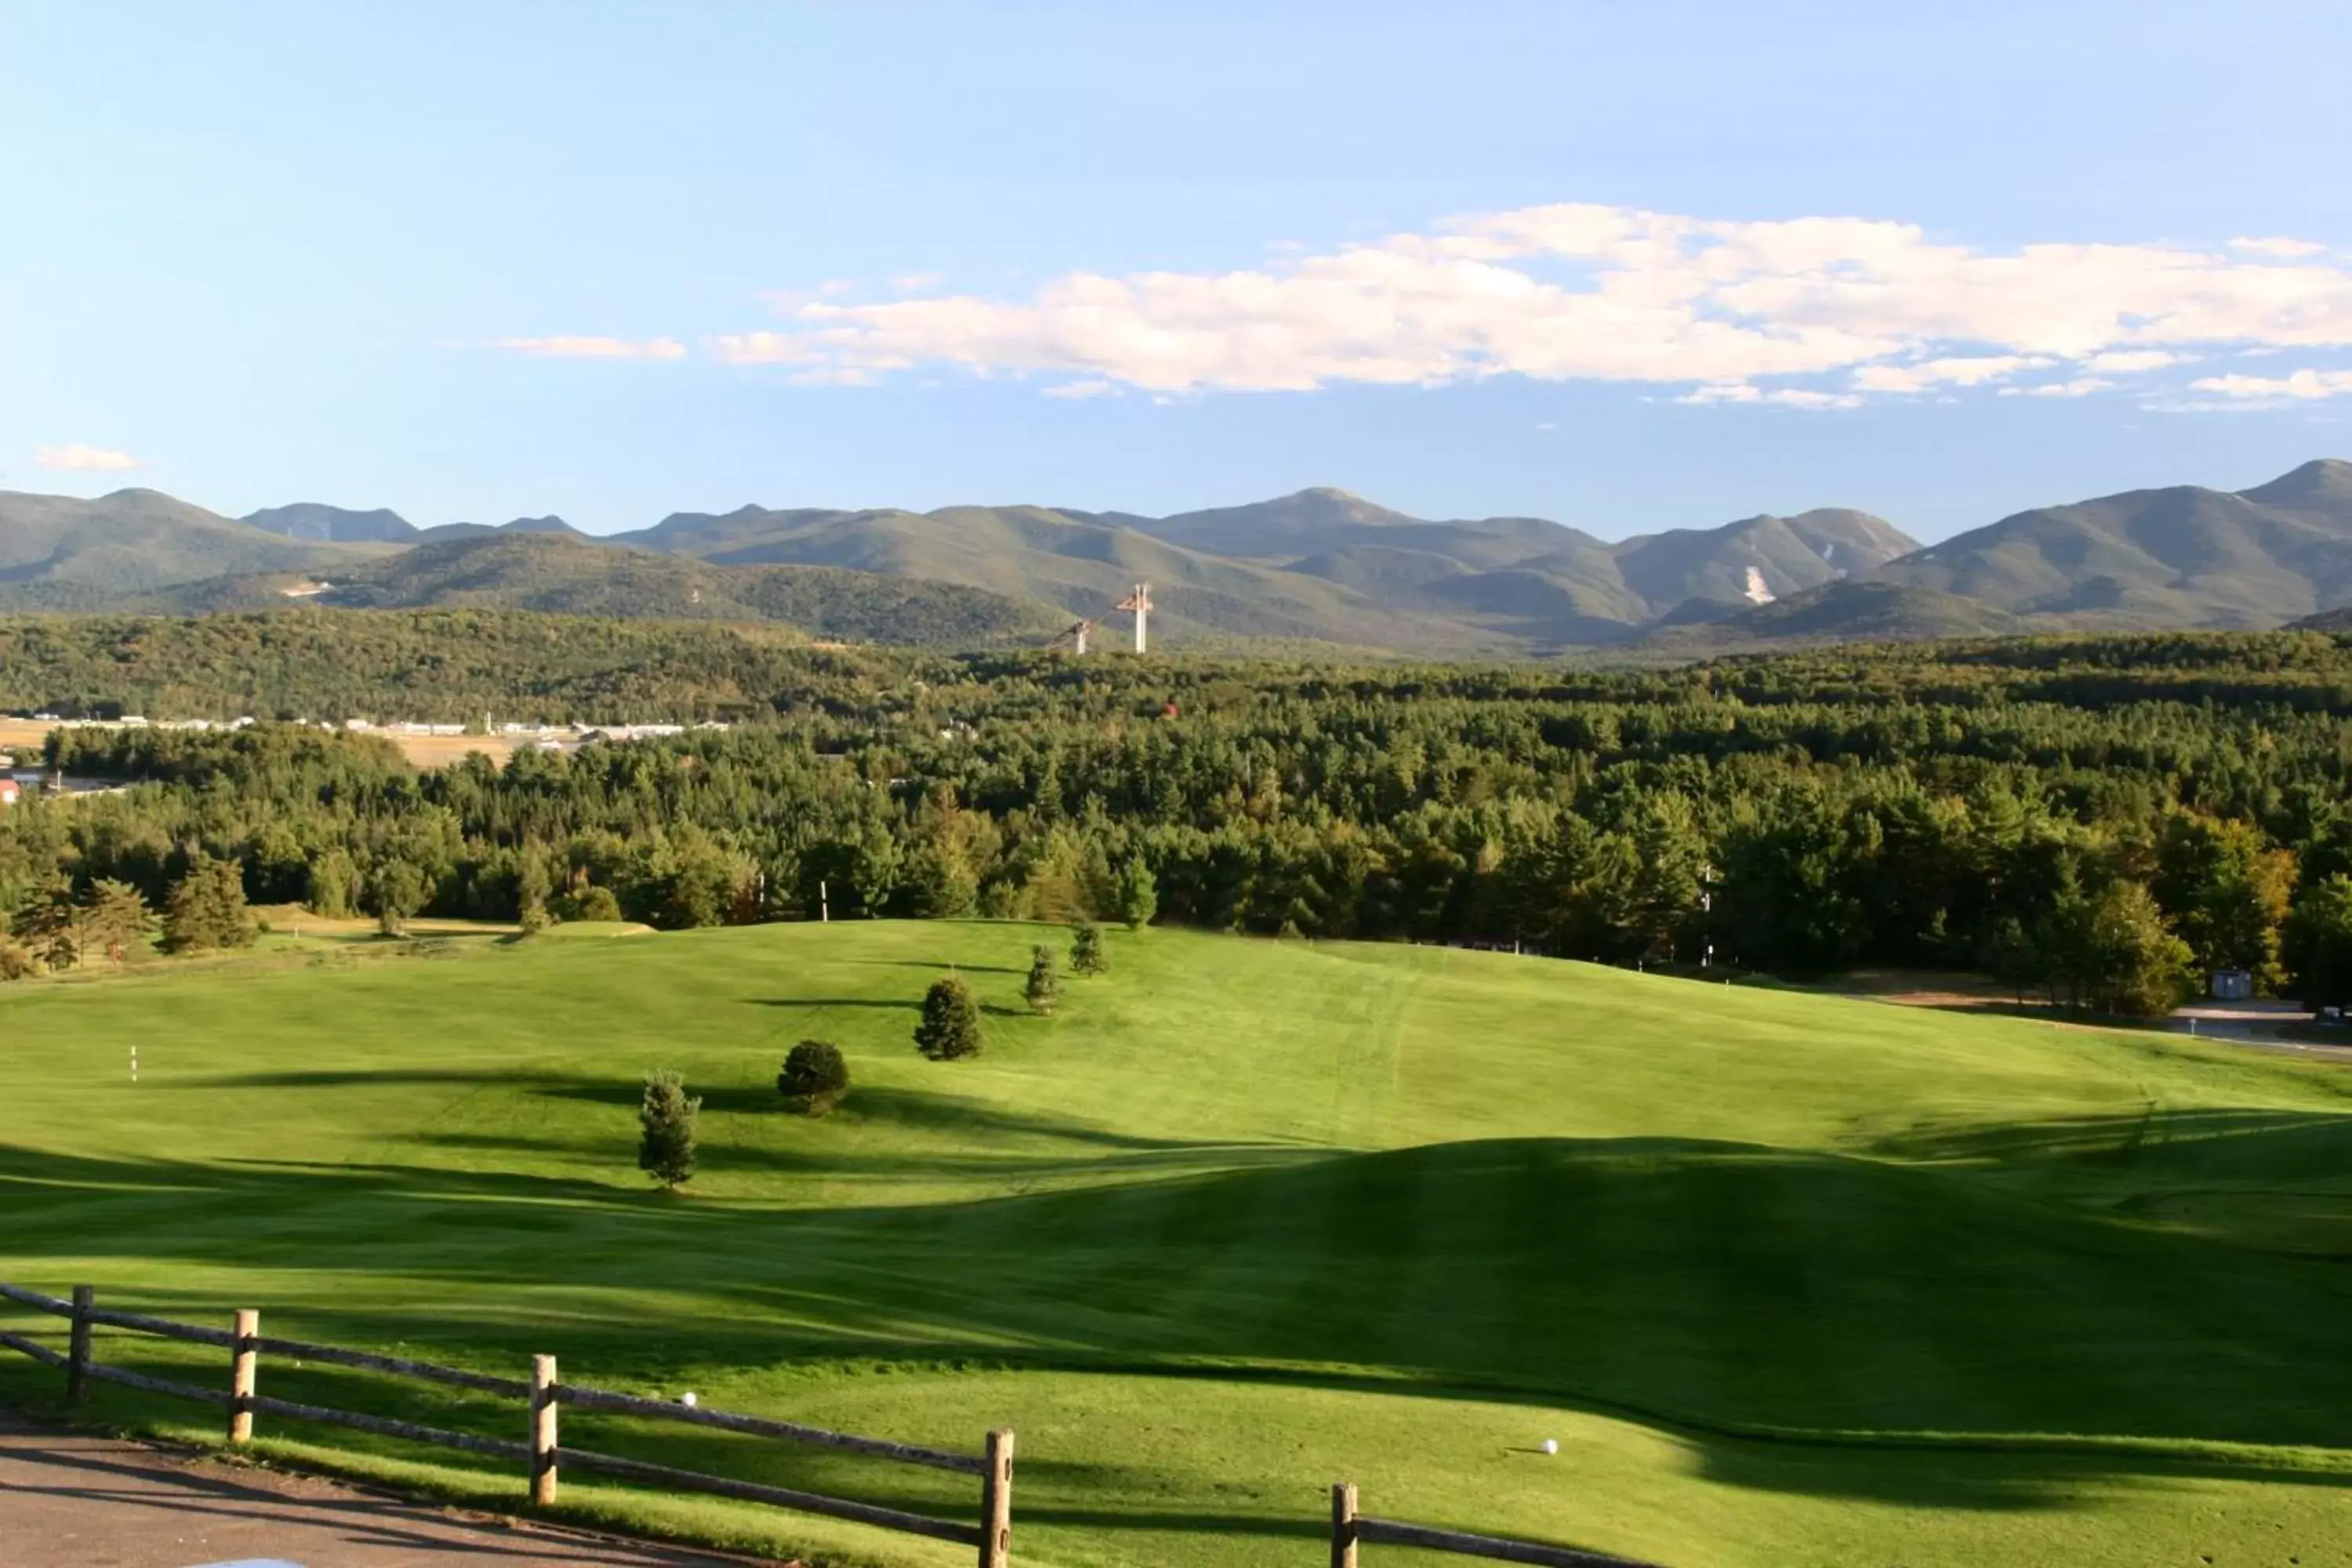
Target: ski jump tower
1141	603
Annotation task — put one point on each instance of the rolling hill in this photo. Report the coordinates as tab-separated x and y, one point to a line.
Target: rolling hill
1240	1218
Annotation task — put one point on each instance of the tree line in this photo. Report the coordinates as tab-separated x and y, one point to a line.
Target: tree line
2103	820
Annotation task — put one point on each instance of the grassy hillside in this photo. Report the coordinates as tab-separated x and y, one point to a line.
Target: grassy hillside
1793	1279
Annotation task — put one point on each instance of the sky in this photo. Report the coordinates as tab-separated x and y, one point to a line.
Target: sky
1626	265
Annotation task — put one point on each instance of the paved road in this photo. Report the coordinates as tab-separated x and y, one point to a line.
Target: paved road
72	1502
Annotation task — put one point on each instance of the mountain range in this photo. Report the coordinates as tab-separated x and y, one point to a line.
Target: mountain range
1320	566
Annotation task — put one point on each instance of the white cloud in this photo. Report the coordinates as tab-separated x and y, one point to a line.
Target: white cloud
1607	294
2302	385
596	348
2081	387
2133	361
1967	370
91	460
1787	397
2285	249
1094	388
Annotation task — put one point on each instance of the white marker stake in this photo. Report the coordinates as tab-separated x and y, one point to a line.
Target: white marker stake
134	1064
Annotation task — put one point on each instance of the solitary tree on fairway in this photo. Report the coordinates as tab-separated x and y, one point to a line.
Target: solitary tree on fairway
666	1115
1044	980
950	1023
815	1077
1086	954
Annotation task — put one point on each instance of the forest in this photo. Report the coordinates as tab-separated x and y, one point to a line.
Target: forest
2102	820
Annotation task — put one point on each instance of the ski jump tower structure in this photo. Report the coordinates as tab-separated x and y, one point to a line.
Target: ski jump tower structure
1141	603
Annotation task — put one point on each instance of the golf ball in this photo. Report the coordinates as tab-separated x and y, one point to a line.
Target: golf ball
688	1399
1551	1445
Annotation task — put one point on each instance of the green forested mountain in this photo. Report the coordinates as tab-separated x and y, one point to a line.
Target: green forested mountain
563	573
74	550
2182	556
1320	566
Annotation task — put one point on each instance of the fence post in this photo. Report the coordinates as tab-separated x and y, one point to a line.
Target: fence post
542	1431
1343	1525
242	1356
996	1502
78	1346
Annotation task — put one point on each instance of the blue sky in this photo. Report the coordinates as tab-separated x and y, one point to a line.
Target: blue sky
479	260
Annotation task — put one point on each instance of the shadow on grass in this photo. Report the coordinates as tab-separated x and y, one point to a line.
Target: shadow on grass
1810	1323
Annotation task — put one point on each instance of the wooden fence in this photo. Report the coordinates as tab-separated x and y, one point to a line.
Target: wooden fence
1350	1528
545	1394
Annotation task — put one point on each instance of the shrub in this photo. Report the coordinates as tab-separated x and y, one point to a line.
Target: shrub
666	1116
950	1023
815	1077
16	960
1044	980
1086	953
587	902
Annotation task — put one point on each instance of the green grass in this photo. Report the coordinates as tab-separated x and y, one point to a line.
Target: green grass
1793	1280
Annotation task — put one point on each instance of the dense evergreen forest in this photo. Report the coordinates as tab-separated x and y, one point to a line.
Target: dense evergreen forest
2101	818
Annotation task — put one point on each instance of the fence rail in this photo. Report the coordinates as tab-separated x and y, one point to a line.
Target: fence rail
543	1453
1350	1528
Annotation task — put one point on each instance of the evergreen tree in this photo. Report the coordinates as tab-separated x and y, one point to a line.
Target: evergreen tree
1044	980
1138	893
118	919
815	1077
2010	956
49	925
1088	956
206	909
666	1118
950	1027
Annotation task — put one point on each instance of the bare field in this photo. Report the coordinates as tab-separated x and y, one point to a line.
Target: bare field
24	737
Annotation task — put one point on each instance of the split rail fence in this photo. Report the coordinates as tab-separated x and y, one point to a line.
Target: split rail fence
543	1455
1350	1529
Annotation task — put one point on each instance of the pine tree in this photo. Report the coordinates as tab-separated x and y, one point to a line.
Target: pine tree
667	1116
1044	980
118	919
49	925
206	909
951	1022
1138	893
1086	953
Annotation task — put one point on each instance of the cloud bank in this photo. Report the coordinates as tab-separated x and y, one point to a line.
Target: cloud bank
1732	311
87	459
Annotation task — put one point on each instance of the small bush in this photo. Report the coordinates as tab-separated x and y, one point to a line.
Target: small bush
815	1077
666	1116
1086	952
1044	980
16	960
589	903
950	1028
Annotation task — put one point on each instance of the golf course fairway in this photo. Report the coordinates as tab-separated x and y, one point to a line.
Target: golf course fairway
1791	1280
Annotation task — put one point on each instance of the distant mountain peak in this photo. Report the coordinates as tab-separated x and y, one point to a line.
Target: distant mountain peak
2325	480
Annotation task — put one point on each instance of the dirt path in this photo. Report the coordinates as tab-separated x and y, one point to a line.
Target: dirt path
68	1500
